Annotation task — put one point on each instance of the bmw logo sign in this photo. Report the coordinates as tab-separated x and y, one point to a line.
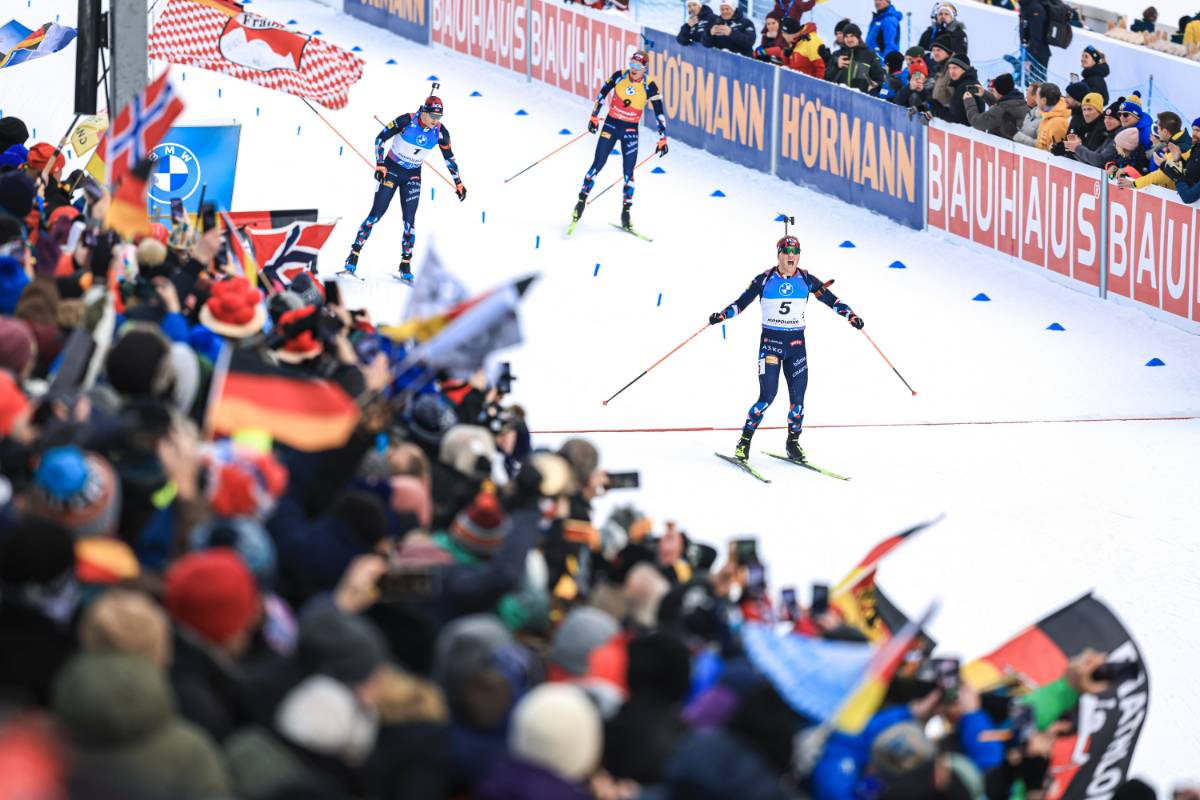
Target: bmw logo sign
176	173
786	289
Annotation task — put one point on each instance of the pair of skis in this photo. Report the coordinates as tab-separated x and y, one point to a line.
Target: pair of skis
631	230
742	465
406	281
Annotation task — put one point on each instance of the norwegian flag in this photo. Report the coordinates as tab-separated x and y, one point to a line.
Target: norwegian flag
221	36
138	129
283	253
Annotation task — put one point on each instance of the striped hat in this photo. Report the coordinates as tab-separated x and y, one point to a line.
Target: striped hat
79	490
480	528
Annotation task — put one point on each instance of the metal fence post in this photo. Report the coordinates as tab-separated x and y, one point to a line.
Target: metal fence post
1104	253
775	121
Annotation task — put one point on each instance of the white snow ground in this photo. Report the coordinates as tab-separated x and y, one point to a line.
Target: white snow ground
1035	513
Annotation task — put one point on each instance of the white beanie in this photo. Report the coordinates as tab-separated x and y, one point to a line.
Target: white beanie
323	715
557	727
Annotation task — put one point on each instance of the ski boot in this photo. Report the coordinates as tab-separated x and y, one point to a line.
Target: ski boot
579	207
793	448
351	267
742	451
626	222
406	275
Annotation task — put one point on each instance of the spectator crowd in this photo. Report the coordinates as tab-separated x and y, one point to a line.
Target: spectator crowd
935	79
425	610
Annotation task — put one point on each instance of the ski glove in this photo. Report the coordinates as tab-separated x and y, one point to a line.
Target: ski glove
662	147
593	124
856	322
460	190
380	173
716	317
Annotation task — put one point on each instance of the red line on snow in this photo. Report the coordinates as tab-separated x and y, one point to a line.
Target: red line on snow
707	429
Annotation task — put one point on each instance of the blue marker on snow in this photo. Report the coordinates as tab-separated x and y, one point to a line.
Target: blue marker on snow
596	271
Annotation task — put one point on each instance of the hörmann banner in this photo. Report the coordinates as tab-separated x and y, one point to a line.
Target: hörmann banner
714	100
408	18
858	148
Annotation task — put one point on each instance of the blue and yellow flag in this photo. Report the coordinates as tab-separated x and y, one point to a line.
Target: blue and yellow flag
19	44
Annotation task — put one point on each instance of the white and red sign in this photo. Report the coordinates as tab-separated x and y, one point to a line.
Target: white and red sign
220	36
1058	215
568	48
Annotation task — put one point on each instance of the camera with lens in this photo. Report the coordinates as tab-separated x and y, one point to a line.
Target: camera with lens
505	379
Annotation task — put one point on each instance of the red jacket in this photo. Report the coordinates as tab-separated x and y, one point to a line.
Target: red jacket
794	9
805	55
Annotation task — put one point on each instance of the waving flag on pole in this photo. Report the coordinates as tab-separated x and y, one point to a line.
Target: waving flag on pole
857	598
139	128
221	36
866	698
241	258
283	253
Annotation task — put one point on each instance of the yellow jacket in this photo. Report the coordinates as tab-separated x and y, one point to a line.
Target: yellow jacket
1158	177
1053	127
1191	34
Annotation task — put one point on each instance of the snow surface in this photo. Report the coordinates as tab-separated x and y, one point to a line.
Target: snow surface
1036	514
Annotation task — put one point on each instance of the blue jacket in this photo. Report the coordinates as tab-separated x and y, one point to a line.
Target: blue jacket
883	35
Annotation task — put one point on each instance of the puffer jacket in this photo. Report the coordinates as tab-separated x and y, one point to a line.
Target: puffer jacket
806	55
1053	127
1003	119
1094	76
863	69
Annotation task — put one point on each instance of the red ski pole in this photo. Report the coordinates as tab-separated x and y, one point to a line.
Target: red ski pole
889	363
618	180
655	364
543	158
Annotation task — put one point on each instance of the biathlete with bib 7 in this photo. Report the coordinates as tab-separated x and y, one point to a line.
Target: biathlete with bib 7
628	91
783	293
398	167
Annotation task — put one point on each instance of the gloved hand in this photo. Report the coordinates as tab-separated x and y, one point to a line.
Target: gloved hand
380	173
716	318
856	321
593	124
460	190
662	147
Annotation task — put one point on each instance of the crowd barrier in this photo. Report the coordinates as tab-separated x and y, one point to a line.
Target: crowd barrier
1046	212
1066	219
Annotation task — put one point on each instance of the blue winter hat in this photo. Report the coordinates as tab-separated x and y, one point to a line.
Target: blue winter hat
1133	104
14	156
13	281
16	194
1196	122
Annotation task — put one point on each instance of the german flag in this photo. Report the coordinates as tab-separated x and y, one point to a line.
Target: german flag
866	698
856	597
306	413
127	209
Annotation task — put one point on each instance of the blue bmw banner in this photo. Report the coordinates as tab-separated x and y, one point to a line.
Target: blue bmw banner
191	158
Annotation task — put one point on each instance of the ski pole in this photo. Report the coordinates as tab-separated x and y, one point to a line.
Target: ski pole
889	363
431	166
543	158
656	363
618	180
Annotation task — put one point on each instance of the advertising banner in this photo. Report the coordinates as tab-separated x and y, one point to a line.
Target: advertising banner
714	100
191	157
858	148
1057	214
572	49
408	18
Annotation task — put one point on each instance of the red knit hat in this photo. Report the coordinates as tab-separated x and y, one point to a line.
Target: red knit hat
303	345
233	309
243	482
481	526
213	593
39	156
919	65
